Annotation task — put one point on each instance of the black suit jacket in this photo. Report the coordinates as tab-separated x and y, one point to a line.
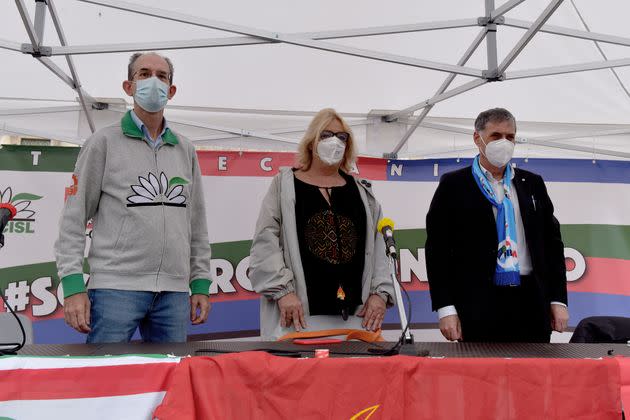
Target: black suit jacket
461	248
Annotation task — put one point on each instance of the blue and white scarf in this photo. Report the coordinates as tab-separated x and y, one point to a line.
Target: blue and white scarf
507	270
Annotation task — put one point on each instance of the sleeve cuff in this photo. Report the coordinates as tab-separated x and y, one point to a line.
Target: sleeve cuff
446	311
282	293
559	303
389	300
200	287
73	284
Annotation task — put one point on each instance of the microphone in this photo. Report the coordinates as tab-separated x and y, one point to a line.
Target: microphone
6	214
386	227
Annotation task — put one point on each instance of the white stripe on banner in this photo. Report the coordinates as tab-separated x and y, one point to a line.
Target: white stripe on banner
233	217
83	387
590	203
36	362
407	203
136	407
232	206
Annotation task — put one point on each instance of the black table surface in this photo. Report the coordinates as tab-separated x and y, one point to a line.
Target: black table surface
344	349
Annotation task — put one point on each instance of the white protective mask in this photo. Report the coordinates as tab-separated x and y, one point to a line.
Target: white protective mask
498	152
331	150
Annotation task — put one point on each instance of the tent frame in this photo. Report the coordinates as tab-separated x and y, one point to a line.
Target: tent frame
494	72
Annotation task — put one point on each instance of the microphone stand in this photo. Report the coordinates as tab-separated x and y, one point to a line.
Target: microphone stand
406	345
5	216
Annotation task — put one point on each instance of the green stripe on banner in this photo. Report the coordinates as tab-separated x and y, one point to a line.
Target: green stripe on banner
410	239
28	272
31	272
600	241
38	158
234	252
596	241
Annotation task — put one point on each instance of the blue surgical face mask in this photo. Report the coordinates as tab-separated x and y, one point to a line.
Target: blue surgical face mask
151	94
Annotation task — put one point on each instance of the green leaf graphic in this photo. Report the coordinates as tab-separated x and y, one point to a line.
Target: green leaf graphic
177	181
25	196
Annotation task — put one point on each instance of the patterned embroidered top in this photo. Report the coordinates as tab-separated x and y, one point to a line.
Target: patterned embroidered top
332	245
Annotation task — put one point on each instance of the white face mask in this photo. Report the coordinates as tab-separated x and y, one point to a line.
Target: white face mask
498	152
151	94
331	150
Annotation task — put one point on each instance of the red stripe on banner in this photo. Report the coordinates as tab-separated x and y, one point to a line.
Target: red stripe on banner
416	284
604	275
217	163
372	168
239	294
85	382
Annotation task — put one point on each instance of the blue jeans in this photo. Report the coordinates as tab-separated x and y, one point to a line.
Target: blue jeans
162	317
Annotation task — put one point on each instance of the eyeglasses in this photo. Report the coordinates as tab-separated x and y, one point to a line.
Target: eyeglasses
341	135
146	74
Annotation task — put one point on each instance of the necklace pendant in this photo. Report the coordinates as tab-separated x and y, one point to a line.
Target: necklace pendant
341	295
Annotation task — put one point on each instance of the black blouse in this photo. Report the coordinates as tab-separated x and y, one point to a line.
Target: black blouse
332	245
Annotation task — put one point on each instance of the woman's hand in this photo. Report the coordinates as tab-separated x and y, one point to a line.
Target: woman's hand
291	312
373	313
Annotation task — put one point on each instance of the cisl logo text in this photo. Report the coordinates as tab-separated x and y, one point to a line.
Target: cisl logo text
24	219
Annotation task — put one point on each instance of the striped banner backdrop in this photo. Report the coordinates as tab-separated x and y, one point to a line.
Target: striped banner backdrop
592	202
74	388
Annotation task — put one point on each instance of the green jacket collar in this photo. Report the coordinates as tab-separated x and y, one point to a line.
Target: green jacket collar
130	129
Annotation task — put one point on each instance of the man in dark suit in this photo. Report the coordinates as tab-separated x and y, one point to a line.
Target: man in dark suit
494	254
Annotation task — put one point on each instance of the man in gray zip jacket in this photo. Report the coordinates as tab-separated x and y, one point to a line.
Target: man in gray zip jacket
275	263
140	183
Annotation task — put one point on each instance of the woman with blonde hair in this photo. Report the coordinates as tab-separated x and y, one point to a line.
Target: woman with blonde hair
315	251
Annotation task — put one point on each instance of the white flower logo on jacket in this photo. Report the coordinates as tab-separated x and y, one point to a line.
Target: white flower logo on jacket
152	191
20	202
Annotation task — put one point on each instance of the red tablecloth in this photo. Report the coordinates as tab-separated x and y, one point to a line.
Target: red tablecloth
257	385
624	373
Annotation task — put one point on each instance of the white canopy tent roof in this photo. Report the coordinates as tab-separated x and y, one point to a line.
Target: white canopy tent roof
250	74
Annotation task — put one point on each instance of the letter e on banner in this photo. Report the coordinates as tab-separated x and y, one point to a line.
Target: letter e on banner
222	163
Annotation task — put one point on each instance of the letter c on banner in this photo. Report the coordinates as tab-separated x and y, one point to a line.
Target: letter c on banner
242	276
580	264
264	162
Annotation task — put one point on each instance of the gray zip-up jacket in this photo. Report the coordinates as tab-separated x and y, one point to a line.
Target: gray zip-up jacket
275	267
148	215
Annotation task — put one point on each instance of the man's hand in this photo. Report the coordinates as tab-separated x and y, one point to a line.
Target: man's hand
76	311
451	328
202	303
559	317
291	312
373	313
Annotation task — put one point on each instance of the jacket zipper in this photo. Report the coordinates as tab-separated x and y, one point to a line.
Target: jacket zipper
157	170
